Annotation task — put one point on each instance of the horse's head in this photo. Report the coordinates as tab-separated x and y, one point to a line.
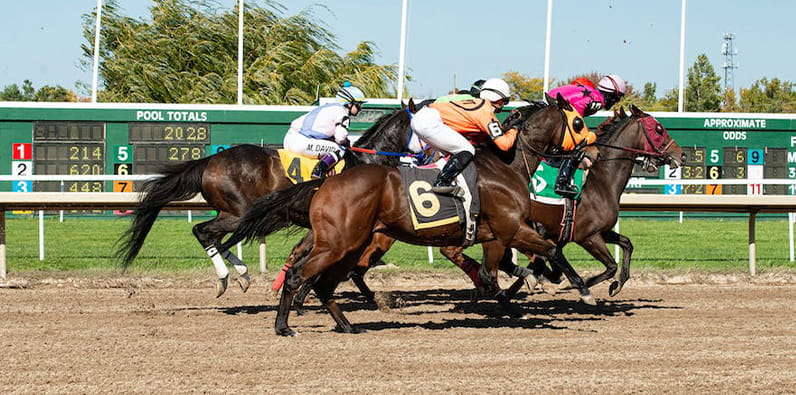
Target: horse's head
660	146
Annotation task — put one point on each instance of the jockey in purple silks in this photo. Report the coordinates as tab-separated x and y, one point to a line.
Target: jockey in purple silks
587	100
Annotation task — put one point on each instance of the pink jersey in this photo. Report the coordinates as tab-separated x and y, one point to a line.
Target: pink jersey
580	97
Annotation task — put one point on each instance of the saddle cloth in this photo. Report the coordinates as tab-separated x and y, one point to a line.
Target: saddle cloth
298	168
543	184
430	210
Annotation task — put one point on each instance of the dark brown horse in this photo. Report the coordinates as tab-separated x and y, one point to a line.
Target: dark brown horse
623	140
232	179
351	207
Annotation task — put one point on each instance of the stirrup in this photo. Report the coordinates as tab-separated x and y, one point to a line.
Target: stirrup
570	192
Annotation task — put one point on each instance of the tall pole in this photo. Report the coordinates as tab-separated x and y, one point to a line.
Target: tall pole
681	94
240	52
402	51
547	47
95	73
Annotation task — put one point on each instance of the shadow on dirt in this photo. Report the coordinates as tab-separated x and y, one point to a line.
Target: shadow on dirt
550	314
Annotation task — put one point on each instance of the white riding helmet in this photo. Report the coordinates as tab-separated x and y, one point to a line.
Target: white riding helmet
612	83
350	94
495	89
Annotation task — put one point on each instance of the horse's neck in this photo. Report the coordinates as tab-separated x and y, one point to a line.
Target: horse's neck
390	137
616	166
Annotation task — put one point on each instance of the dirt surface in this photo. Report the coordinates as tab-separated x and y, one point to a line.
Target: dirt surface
725	334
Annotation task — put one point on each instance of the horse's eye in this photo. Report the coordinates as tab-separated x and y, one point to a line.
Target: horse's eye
577	124
659	129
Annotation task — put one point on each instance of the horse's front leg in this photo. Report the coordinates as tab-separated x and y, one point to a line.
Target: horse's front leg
627	251
558	259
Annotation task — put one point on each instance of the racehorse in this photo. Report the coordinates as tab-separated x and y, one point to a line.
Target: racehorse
623	140
232	179
350	207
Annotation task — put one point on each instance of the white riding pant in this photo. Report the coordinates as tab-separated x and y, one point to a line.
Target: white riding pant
427	123
313	148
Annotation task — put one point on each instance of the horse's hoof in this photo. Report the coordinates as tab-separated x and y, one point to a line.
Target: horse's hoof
351	329
286	332
299	309
614	288
530	282
244	281
221	286
588	299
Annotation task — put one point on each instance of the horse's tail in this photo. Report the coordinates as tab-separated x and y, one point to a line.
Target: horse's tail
275	211
180	181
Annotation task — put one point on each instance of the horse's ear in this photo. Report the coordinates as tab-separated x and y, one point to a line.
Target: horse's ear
622	112
549	99
636	111
403	105
412	106
563	103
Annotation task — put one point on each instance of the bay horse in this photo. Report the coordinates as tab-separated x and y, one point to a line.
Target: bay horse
232	179
623	140
351	207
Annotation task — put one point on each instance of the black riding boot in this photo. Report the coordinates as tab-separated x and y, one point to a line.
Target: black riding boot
455	165
564	185
326	162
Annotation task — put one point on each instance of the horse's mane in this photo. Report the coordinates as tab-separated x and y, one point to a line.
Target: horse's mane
521	114
366	140
610	126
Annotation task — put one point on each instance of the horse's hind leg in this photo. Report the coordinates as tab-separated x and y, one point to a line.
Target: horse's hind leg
324	289
209	235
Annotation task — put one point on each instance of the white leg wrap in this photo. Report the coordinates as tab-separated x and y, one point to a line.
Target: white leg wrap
240	267
218	262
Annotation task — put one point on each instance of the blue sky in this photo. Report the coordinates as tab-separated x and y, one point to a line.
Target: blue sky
464	40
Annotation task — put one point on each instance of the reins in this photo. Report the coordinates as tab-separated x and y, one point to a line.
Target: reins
658	153
419	157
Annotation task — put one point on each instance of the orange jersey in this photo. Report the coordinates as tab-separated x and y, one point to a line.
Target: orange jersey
475	119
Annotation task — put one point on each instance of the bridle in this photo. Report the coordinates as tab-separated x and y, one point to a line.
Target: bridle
565	127
651	150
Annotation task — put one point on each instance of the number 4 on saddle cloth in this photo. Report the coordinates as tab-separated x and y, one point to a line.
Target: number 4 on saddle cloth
429	209
298	167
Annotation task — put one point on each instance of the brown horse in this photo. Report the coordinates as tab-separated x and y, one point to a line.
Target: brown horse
351	207
232	179
623	140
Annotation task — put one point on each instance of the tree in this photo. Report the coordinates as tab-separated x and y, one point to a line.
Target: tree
729	102
55	94
769	96
702	91
187	53
14	93
648	94
668	102
524	87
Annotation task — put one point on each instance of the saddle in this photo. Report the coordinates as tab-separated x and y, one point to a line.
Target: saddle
542	191
430	210
299	167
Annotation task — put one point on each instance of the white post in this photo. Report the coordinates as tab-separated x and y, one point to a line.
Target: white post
240	251
681	217
95	74
547	48
263	266
681	94
791	219
430	255
41	235
240	52
190	216
402	52
616	246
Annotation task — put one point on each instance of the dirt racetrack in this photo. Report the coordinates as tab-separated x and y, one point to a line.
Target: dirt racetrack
128	334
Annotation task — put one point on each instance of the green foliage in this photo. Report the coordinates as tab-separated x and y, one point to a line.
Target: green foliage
702	90
14	93
769	96
523	86
187	53
648	94
729	102
28	93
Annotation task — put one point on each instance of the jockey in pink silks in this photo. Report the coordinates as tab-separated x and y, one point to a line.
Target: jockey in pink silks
587	100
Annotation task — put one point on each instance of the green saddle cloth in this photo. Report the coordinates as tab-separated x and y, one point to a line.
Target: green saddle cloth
544	181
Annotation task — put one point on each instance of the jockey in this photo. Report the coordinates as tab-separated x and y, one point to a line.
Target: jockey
323	132
586	100
449	125
473	92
